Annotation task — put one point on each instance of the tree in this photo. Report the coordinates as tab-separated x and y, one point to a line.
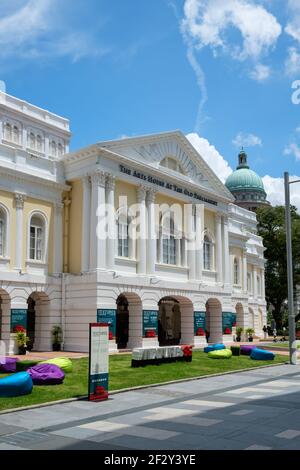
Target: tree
271	227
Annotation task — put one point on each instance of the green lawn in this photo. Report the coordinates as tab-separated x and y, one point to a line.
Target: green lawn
123	376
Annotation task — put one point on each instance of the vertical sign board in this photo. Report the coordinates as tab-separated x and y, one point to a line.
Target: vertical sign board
98	362
227	320
199	322
109	317
18	318
150	322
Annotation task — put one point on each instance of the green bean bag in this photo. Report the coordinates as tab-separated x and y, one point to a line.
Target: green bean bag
24	365
221	354
63	363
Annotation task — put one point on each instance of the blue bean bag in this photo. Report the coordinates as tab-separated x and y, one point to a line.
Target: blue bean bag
214	347
16	385
261	355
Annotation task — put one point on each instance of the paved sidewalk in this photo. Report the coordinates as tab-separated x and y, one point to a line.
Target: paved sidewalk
257	409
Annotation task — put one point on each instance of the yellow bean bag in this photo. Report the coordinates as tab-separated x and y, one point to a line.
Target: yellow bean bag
64	363
221	354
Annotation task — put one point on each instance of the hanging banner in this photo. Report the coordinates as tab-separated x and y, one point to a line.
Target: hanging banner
199	323
150	323
18	317
227	322
98	362
109	317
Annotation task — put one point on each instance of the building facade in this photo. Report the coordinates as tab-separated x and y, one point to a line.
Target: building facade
246	186
138	232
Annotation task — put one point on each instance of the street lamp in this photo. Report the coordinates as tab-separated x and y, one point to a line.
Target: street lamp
288	226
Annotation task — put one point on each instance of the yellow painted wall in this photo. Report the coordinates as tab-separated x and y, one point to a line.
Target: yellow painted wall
75	227
7	199
236	252
47	209
124	189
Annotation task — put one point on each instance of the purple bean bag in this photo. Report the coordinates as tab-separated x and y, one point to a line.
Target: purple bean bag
9	365
247	349
46	374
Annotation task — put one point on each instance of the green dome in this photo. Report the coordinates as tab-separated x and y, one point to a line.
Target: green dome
244	179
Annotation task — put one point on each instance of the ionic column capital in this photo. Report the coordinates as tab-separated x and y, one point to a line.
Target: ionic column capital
151	195
58	207
141	193
99	178
19	200
110	181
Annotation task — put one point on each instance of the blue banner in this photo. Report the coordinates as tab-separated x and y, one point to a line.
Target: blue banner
109	317
229	320
18	317
150	323
199	323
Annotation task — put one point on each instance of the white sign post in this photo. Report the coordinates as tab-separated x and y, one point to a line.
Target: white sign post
98	361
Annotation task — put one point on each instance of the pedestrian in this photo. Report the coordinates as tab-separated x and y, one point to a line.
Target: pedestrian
275	335
265	330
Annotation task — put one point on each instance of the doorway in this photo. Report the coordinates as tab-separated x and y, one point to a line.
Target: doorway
122	322
169	322
30	323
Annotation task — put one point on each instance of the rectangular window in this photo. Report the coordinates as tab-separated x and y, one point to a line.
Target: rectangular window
123	247
36	243
169	250
207	256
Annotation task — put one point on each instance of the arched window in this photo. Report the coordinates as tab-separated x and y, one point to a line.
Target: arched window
3	226
53	149
123	233
249	282
39	143
32	140
258	286
172	164
236	271
207	253
168	239
37	237
16	135
7	131
60	150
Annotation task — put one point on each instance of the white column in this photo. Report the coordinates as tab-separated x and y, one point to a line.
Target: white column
199	208
151	239
111	222
190	243
227	267
47	146
19	201
245	271
97	244
219	248
58	239
141	233
255	282
86	224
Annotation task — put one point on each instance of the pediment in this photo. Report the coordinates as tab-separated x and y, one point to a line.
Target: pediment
154	149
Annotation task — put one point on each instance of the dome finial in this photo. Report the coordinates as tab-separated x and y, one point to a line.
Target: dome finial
242	159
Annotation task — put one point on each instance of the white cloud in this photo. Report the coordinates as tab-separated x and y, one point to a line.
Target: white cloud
206	23
292	63
211	155
293	149
34	29
274	188
260	72
246	140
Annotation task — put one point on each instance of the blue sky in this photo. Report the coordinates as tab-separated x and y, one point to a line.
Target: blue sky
221	70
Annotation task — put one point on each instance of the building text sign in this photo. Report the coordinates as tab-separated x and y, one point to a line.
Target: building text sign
166	185
98	362
199	323
150	323
18	318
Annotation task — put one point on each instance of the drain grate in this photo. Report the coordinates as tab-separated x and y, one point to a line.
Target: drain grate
23	437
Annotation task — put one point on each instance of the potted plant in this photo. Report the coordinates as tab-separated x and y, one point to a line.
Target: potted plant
22	342
250	333
57	337
239	332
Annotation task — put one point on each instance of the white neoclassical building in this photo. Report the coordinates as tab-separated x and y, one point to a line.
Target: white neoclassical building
138	232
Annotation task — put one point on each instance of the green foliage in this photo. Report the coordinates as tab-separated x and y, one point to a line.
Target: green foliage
21	338
271	226
57	334
236	350
250	331
239	330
